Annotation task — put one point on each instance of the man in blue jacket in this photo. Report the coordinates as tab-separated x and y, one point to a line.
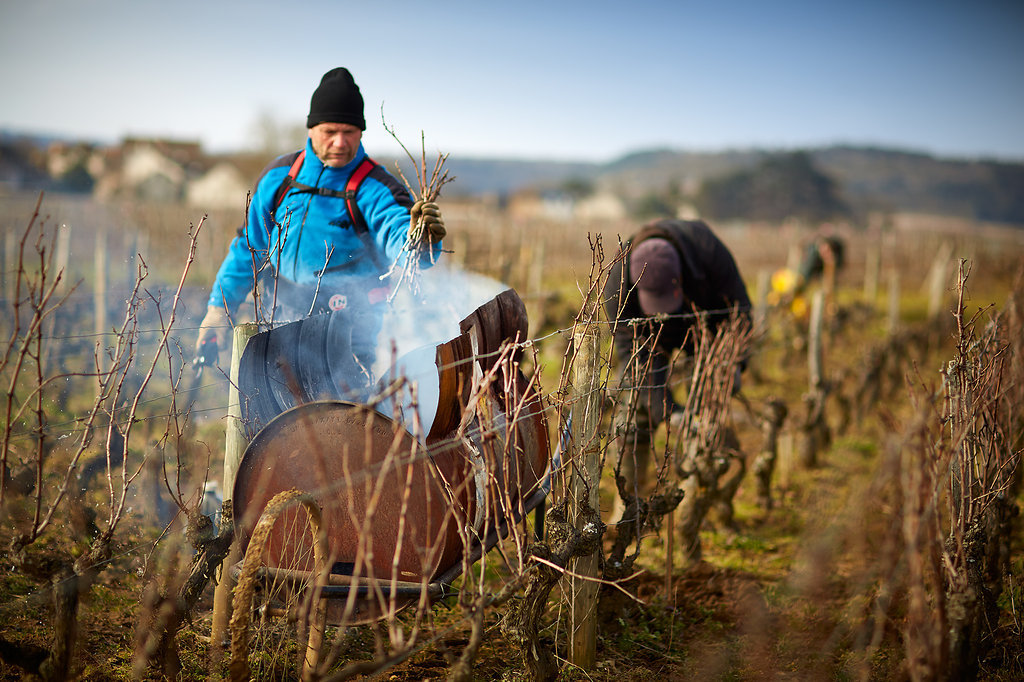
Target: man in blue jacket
324	224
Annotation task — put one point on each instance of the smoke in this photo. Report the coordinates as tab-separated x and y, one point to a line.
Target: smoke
416	323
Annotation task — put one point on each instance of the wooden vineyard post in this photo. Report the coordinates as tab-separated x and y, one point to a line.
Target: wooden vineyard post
894	301
670	550
759	319
828	281
60	267
99	291
10	264
937	280
62	255
872	263
583	491
764	287
7	265
535	284
815	375
815	427
234	447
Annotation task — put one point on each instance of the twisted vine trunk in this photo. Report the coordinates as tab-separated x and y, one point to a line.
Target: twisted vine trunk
523	621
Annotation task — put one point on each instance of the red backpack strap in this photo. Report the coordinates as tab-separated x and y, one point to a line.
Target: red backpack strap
289	179
358	221
352	188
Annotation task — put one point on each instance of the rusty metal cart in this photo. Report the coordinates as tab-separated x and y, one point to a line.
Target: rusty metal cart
350	511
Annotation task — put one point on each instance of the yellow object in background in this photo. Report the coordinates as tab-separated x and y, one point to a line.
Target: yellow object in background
798	306
786	287
785	281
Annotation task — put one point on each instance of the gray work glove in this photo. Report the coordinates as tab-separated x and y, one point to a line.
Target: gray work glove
427	215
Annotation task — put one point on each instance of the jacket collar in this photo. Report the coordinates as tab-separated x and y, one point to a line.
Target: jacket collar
314	165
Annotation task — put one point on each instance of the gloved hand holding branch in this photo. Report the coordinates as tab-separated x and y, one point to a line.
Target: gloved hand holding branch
426	226
426	223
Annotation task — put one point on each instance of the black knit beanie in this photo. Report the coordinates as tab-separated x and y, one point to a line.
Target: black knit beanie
337	100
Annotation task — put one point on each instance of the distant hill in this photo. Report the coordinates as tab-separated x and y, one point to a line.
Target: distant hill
631	175
864	178
474	177
907	181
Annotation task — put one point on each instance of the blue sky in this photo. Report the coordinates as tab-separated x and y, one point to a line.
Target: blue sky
542	80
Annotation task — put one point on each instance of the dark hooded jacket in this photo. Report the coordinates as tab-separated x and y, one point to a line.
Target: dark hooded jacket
711	284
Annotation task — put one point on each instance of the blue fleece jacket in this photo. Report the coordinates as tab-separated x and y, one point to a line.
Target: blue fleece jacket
311	235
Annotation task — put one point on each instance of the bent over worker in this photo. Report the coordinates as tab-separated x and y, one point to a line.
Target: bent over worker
668	272
324	223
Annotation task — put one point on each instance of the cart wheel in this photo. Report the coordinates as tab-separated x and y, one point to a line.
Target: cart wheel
282	574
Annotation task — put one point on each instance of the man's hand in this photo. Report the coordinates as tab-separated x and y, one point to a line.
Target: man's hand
427	216
213	335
